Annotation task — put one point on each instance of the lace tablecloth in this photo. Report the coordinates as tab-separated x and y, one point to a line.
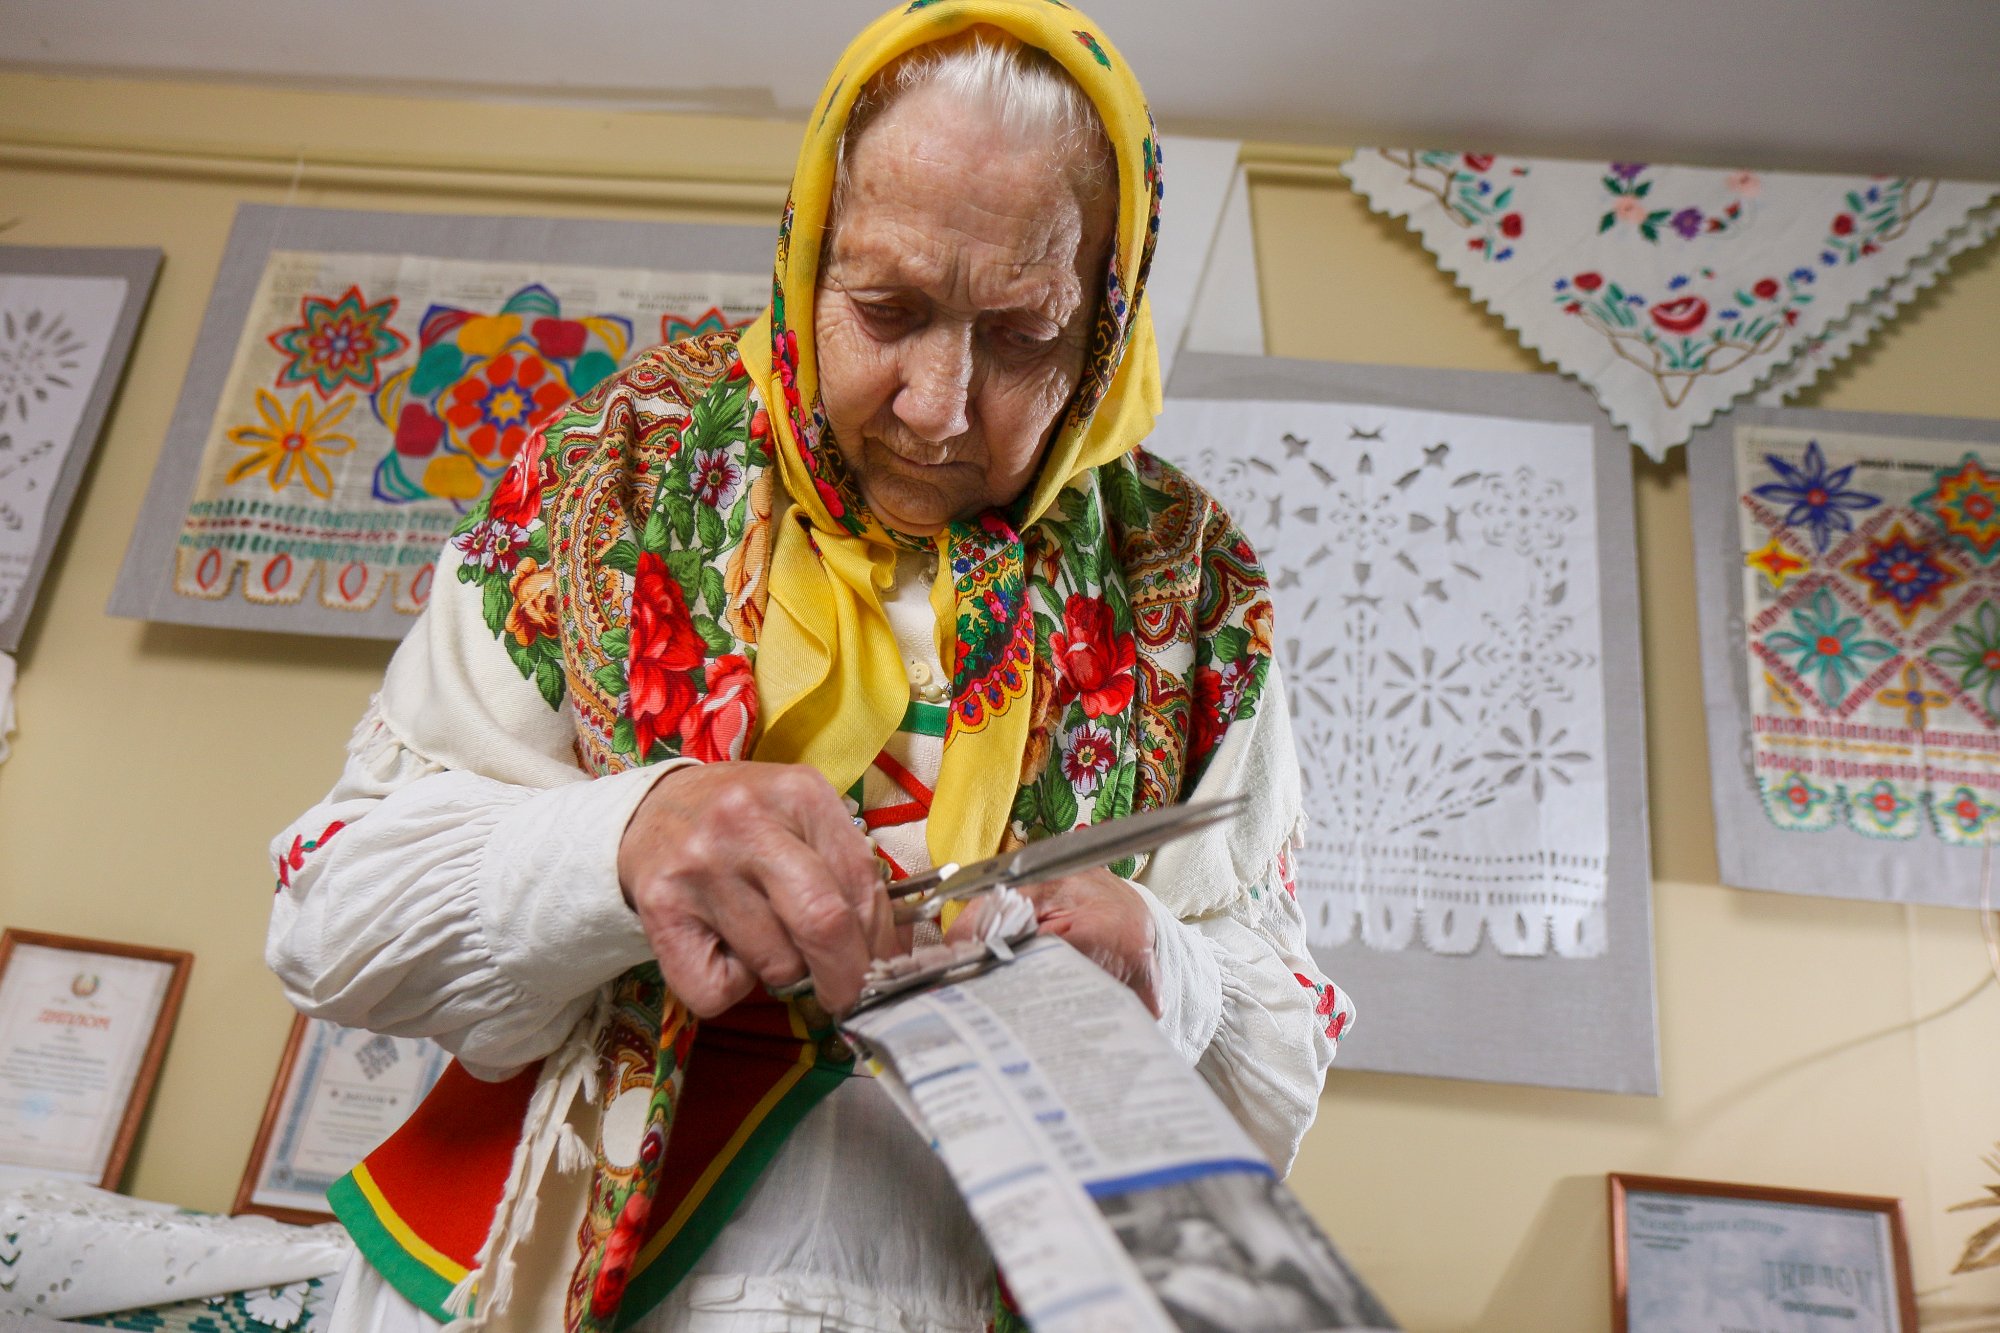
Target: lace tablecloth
69	1251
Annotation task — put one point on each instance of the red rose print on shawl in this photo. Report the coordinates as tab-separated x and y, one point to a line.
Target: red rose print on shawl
719	726
518	497
1092	659
665	648
619	1252
1218	695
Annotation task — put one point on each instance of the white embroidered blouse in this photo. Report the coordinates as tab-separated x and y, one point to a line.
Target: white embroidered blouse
470	894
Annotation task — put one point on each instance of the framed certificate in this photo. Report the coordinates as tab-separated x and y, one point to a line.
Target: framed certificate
83	1028
1698	1256
339	1093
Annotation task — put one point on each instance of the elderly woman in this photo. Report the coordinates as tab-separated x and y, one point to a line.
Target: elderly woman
884	579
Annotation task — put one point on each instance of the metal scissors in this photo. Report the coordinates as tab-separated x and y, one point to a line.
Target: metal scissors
922	897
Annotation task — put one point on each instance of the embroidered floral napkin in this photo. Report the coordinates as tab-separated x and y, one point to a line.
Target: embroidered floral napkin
1671	292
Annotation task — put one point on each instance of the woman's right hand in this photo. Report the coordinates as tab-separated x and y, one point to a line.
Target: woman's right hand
748	873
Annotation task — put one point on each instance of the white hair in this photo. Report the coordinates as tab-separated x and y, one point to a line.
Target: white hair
1033	97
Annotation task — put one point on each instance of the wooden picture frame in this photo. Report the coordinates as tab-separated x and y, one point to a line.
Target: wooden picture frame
315	1126
56	1129
1787	1249
260	1149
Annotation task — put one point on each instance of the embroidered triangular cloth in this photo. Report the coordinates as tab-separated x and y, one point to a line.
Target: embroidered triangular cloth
1671	292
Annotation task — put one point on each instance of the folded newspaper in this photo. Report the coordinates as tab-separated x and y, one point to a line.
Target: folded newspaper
1115	1191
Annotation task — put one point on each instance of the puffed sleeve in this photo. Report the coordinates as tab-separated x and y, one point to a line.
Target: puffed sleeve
460	880
1252	1012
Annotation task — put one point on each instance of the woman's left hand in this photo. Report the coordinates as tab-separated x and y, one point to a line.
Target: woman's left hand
1106	920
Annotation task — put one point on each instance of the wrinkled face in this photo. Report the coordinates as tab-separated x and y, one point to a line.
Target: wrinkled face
954	310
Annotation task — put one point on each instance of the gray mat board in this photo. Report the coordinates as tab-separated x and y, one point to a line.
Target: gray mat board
1587	1023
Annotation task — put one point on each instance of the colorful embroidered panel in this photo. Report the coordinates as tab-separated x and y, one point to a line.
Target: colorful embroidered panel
1873	632
1452	569
67	319
1671	292
375	397
361	381
1435	582
1852	650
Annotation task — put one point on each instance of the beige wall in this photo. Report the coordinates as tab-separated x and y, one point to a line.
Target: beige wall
155	761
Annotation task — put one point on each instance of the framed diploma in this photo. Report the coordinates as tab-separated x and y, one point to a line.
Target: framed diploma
1698	1256
83	1029
339	1093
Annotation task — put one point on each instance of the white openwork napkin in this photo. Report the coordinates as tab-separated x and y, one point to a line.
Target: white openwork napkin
1671	292
73	1250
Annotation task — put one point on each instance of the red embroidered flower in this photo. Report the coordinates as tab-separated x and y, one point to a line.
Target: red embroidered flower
295	856
518	497
718	728
1088	759
1766	289
1683	314
1328	1005
1843	225
665	648
1092	659
1588	282
1479	161
620	1249
1510	226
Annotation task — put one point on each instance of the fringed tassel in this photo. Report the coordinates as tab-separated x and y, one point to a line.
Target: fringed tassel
492	1276
459	1303
572	1153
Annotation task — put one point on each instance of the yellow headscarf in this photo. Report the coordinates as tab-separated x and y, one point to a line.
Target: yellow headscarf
829	674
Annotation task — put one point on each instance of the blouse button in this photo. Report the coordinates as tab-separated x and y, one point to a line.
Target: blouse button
920	674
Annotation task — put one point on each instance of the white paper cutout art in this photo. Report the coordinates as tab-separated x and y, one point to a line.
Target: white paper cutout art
54	334
1436	583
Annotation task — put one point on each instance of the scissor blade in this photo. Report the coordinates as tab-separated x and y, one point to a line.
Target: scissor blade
1078	849
1101	844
